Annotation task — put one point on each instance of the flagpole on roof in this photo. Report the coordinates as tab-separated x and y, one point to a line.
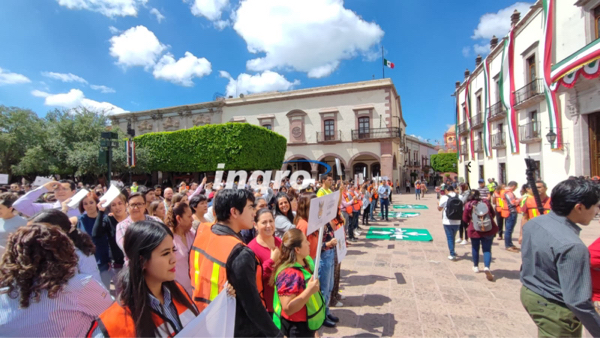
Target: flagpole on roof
382	62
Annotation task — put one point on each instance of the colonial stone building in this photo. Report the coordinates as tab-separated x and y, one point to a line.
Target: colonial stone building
535	95
360	124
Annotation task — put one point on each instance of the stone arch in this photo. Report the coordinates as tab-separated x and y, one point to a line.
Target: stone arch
335	156
313	166
364	153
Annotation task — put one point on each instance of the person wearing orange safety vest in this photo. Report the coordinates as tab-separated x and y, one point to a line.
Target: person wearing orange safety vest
498	202
151	302
530	209
509	212
219	255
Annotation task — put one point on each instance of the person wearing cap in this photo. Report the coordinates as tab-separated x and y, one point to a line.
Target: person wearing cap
484	192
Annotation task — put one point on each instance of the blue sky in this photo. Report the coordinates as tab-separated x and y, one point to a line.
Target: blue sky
131	55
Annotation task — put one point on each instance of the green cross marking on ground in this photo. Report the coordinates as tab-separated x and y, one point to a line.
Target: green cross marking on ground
401	214
410	206
406	234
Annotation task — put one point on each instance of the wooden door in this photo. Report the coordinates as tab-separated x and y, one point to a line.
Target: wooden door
594	130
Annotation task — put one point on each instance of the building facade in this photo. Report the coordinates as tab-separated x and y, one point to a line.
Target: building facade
360	124
417	162
534	96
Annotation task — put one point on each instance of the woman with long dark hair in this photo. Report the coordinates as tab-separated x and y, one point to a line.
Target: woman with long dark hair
84	246
479	209
284	217
298	304
41	292
179	220
151	302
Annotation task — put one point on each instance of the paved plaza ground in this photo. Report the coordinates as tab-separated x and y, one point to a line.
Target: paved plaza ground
411	289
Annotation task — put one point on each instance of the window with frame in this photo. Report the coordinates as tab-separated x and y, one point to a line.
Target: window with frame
363	127
497	90
478	102
268	126
538	174
531	76
597	22
329	130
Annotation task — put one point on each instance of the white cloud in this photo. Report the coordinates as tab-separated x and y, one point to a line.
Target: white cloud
210	9
108	8
221	24
310	36
498	24
74	99
481	49
64	77
7	78
466	51
159	16
265	82
183	70
137	46
114	30
103	89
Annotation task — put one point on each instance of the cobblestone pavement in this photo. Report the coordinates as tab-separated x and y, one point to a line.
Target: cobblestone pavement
411	289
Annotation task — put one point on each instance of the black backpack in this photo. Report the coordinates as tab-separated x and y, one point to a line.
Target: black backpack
454	208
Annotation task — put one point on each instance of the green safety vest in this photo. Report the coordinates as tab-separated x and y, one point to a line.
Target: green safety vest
491	187
315	307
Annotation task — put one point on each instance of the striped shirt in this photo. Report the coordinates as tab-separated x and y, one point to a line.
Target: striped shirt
556	266
70	314
484	193
124	224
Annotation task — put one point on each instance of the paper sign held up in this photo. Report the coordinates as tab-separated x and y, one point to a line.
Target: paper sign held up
40	180
110	195
341	248
3	178
77	198
338	167
322	210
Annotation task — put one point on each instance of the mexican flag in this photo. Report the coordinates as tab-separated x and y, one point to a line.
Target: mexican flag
388	63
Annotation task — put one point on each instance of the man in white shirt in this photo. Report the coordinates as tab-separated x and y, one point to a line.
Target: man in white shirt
451	224
384	194
9	222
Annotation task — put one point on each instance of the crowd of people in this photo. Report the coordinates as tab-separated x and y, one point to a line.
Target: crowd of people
150	260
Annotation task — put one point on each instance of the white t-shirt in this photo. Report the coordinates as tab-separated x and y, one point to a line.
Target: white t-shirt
445	219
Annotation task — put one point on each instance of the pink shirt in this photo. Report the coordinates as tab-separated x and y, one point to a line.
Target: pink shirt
264	255
182	266
122	227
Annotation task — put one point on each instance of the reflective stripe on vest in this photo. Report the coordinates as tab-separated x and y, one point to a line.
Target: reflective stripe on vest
532	209
315	307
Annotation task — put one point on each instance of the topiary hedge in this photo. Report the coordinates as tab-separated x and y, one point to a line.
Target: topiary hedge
444	162
241	146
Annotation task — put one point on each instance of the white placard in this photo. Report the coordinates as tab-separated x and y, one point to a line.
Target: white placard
322	210
361	178
356	180
3	178
364	171
341	248
338	167
40	180
217	320
318	258
110	195
77	198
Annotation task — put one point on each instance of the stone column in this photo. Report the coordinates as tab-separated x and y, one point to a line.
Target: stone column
387	165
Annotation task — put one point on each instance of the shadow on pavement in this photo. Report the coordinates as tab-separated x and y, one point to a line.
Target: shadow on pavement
376	325
355	252
508	274
376	300
363	280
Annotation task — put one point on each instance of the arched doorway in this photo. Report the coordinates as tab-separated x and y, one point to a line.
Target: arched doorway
330	160
359	168
376	169
295	166
367	160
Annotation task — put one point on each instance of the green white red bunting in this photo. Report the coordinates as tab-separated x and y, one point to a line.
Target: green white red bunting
487	144
456	128
507	88
549	94
388	63
468	107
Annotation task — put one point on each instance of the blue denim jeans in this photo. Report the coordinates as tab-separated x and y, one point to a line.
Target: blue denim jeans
486	247
509	226
326	274
384	208
451	231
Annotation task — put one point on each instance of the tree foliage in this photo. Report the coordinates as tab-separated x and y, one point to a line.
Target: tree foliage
20	130
241	146
444	162
69	144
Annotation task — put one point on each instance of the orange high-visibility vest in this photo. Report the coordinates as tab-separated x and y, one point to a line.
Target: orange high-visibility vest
355	204
532	210
348	208
116	321
208	259
505	212
499	201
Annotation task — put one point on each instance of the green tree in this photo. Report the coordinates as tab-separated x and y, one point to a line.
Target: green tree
444	162
20	130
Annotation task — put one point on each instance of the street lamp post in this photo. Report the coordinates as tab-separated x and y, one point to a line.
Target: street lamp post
108	140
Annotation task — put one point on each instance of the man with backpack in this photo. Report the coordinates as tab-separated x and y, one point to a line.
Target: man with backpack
452	211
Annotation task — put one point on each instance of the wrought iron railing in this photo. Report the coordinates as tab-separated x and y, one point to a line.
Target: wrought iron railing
375	133
463	127
498	140
530	131
478	145
336	135
497	110
477	120
533	88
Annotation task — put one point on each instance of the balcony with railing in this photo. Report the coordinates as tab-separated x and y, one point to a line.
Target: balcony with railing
329	137
464	151
497	111
498	141
529	95
477	121
478	144
463	128
375	134
530	132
